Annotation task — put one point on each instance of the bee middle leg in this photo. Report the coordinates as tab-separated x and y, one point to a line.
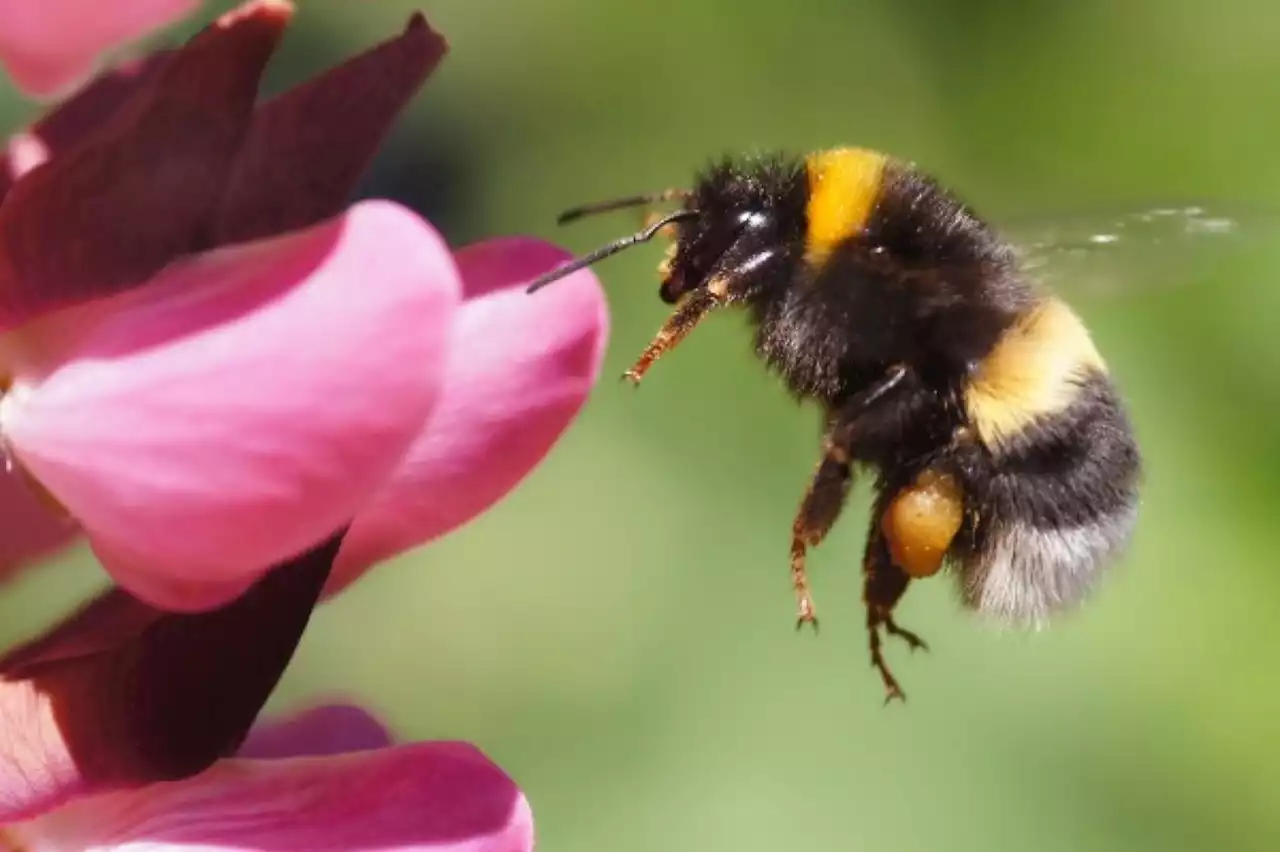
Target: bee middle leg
829	488
819	509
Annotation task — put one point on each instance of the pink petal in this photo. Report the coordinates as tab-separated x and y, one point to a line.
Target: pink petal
121	694
324	730
245	404
29	528
444	797
50	45
519	370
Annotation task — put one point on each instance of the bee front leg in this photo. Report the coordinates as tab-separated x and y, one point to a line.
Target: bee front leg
677	327
829	488
727	282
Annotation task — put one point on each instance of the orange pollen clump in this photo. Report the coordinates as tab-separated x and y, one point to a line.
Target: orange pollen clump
922	521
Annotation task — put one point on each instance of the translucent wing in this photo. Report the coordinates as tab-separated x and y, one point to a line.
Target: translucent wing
1117	252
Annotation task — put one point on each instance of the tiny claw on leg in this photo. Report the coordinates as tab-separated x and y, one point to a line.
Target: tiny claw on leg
914	642
806	613
645	361
675	329
891	687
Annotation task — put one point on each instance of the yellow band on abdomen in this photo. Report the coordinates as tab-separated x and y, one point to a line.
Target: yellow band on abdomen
1033	372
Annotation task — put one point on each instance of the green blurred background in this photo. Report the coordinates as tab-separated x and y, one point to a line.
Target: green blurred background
618	633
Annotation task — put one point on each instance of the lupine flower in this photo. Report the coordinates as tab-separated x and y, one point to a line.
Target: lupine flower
244	393
326	778
50	45
214	365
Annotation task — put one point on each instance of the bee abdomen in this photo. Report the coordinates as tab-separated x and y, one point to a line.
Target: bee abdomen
1056	506
1025	575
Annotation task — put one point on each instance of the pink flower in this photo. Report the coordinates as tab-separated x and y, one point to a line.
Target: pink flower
50	45
244	394
329	778
212	366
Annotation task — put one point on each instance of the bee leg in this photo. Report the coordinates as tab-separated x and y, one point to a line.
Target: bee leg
829	488
884	585
822	504
914	642
913	529
677	327
728	281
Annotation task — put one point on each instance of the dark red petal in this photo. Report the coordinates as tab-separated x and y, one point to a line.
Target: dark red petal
308	147
71	122
116	209
138	695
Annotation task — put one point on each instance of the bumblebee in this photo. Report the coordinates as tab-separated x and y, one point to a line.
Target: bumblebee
999	443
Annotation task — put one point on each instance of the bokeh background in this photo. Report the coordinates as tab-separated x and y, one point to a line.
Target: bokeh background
618	633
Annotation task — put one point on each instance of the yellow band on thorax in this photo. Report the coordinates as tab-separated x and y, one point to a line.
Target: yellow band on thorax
844	184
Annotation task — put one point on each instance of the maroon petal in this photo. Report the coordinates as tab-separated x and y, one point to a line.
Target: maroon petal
30	530
71	122
115	210
307	148
122	694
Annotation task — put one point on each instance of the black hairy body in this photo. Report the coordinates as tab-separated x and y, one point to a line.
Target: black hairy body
998	441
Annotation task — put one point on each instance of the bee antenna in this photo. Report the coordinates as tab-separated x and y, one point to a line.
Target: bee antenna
576	213
610	249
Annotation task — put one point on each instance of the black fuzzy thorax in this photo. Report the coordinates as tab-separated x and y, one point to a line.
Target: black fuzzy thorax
925	283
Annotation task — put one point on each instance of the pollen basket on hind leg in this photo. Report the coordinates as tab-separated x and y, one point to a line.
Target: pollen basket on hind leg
921	523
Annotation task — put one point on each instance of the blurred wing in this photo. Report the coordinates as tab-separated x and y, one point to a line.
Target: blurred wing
1121	252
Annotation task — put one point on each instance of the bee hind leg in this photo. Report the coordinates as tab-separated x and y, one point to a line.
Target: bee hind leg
913	530
914	642
884	585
